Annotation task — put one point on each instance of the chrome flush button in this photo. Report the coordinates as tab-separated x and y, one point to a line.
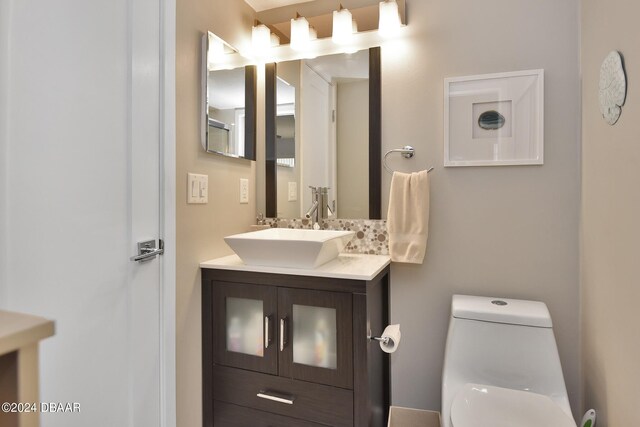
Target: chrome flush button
498	302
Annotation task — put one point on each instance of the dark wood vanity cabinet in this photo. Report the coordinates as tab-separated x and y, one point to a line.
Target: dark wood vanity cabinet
293	351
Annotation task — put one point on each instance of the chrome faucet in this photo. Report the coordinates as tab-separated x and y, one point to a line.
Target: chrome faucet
319	210
313	210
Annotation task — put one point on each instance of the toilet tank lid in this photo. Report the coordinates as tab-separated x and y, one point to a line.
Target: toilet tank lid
501	310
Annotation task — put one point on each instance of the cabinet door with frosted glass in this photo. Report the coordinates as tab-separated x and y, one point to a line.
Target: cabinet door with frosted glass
245	326
315	336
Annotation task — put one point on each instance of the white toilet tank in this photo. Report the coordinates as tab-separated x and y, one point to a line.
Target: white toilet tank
504	343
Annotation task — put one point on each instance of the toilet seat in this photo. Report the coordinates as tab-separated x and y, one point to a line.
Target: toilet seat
483	405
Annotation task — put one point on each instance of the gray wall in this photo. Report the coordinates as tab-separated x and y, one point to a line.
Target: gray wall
610	212
503	231
352	128
287	209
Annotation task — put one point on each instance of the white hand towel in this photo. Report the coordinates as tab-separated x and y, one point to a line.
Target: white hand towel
408	217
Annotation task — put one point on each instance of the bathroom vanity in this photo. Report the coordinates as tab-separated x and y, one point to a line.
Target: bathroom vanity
290	347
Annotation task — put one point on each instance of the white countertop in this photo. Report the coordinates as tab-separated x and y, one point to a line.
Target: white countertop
346	266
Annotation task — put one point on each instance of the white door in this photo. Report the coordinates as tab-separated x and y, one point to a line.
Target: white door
86	179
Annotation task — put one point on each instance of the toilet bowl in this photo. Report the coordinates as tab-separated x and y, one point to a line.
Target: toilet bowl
502	366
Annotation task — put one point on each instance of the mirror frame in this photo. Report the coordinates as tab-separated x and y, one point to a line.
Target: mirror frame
375	137
250	104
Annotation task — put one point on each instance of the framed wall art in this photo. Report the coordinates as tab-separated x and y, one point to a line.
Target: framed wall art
494	119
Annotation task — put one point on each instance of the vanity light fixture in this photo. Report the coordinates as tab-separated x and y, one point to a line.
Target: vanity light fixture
262	40
344	26
389	22
301	33
345	38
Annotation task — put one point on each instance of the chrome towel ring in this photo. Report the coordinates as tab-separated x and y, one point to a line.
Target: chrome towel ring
407	152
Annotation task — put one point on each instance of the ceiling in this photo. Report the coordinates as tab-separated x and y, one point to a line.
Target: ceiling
261	5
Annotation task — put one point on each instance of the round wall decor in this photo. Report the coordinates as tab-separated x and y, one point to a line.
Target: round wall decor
613	87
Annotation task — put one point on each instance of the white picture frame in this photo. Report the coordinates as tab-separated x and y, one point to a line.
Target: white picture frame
511	130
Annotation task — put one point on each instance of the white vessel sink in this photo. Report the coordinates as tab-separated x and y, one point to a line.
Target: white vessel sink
291	248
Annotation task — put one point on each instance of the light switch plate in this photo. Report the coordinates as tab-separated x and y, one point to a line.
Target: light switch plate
197	188
244	190
293	191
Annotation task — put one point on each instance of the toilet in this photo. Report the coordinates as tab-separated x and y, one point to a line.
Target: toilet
501	366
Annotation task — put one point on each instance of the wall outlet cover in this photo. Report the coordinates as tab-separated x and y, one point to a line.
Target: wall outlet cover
197	188
244	190
293	191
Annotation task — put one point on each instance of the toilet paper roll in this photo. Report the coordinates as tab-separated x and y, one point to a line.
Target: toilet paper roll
392	332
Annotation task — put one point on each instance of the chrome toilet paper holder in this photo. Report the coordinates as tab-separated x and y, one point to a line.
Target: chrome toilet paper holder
383	340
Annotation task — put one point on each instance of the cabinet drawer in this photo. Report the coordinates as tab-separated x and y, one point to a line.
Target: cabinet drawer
312	402
228	415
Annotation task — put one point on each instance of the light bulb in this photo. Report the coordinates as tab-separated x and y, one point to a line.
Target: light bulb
343	26
260	40
389	22
300	33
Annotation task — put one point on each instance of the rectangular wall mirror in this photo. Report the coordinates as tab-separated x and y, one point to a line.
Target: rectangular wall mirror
323	130
229	103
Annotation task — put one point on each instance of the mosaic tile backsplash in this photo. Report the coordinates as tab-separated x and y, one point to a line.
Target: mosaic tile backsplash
371	234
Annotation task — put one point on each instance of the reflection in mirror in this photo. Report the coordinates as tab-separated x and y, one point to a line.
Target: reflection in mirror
286	141
322	136
229	110
225	92
288	169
